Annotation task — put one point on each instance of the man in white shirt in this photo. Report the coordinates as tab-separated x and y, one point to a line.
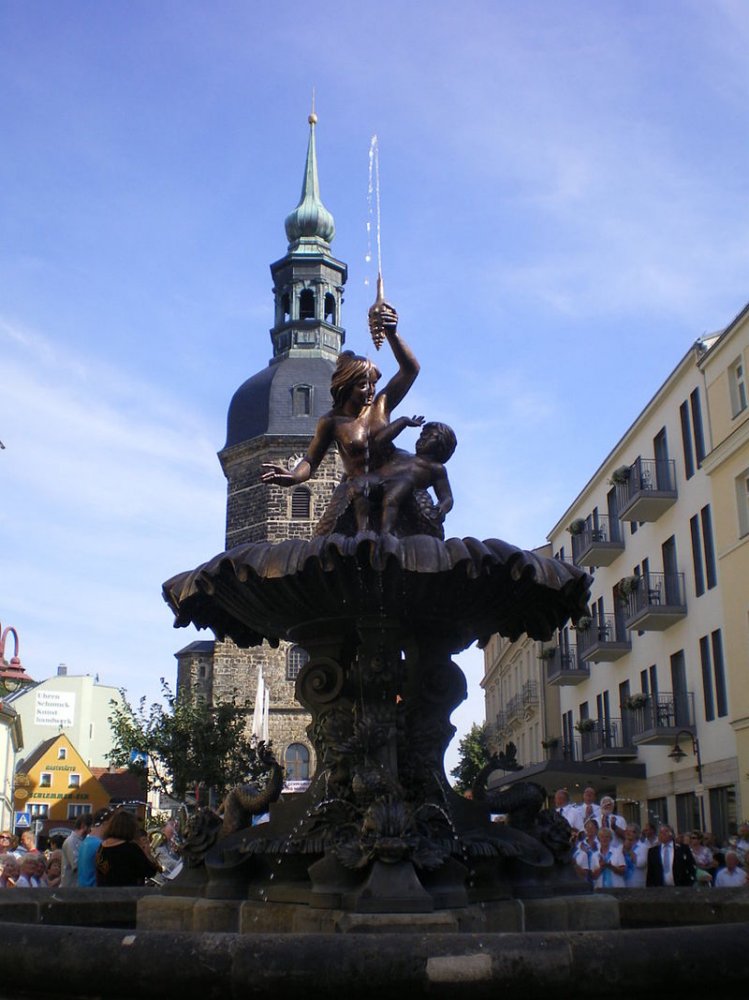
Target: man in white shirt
71	846
564	807
588	809
731	875
610	820
635	853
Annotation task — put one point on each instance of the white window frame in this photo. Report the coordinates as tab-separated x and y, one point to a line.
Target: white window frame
74	780
737	387
742	502
45	779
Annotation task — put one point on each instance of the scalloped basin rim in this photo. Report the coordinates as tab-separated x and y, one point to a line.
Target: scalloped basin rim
263	590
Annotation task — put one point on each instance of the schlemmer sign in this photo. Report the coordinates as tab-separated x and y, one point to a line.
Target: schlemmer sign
55	708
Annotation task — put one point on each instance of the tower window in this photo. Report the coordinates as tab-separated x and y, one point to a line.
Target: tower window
285	309
330	309
307	304
301	400
296	657
296	760
301	504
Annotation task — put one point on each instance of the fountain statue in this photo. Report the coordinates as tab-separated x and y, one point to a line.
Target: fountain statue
381	601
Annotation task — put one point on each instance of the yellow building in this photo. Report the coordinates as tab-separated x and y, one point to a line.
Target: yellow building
724	368
54	785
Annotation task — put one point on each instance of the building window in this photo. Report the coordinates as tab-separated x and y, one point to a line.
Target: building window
699	570
301	504
39	810
307	304
742	502
74	781
301	400
330	309
296	657
699	433
686	440
707	679
723	816
711	571
737	387
687	813
62	753
45	779
79	809
658	812
719	672
714	676
297	762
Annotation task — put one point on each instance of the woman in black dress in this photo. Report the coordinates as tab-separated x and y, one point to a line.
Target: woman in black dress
121	860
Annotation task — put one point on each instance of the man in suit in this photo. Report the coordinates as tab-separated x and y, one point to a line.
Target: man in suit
669	863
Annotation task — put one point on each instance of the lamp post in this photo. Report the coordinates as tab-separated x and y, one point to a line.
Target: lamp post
678	754
12	674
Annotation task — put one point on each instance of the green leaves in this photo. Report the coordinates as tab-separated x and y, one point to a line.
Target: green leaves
190	744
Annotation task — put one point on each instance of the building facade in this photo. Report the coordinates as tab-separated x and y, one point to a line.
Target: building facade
272	418
651	694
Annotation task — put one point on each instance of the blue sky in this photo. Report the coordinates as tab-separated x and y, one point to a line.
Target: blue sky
564	189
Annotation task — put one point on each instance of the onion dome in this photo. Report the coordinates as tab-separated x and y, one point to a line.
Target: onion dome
310	219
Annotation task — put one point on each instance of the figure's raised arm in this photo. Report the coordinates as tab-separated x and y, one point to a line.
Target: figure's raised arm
279	476
383	317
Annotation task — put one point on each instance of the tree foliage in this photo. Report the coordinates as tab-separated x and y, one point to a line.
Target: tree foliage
188	744
473	754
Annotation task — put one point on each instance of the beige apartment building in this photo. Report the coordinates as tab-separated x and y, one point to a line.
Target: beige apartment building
727	466
647	698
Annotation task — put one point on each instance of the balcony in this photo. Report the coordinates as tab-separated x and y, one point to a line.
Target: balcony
563	666
598	543
656	602
659	721
514	708
605	640
529	695
649	490
610	739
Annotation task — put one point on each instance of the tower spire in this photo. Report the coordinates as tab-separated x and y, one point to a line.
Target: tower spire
310	220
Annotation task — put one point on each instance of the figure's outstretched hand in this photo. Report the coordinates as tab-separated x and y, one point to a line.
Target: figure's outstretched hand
414	421
277	475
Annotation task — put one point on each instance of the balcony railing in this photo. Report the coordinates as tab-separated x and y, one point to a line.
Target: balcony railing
514	707
656	602
500	723
608	740
563	666
606	639
530	693
599	542
660	719
649	489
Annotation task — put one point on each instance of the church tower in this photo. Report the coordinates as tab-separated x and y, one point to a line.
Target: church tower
272	417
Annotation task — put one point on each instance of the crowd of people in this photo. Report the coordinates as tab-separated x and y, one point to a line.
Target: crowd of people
611	853
108	848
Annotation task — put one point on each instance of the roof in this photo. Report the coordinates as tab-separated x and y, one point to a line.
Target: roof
120	785
263	404
199	646
37	754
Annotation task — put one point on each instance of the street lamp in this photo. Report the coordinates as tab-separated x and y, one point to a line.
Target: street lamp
12	674
678	754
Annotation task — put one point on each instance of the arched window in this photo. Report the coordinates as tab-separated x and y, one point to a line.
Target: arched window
296	657
330	310
297	762
307	304
301	400
301	504
285	307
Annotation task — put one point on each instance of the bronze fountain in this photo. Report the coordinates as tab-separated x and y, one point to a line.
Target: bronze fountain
381	601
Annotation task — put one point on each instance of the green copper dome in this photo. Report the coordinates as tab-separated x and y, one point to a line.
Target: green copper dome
310	219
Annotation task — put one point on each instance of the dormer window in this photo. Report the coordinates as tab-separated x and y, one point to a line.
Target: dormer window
301	400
